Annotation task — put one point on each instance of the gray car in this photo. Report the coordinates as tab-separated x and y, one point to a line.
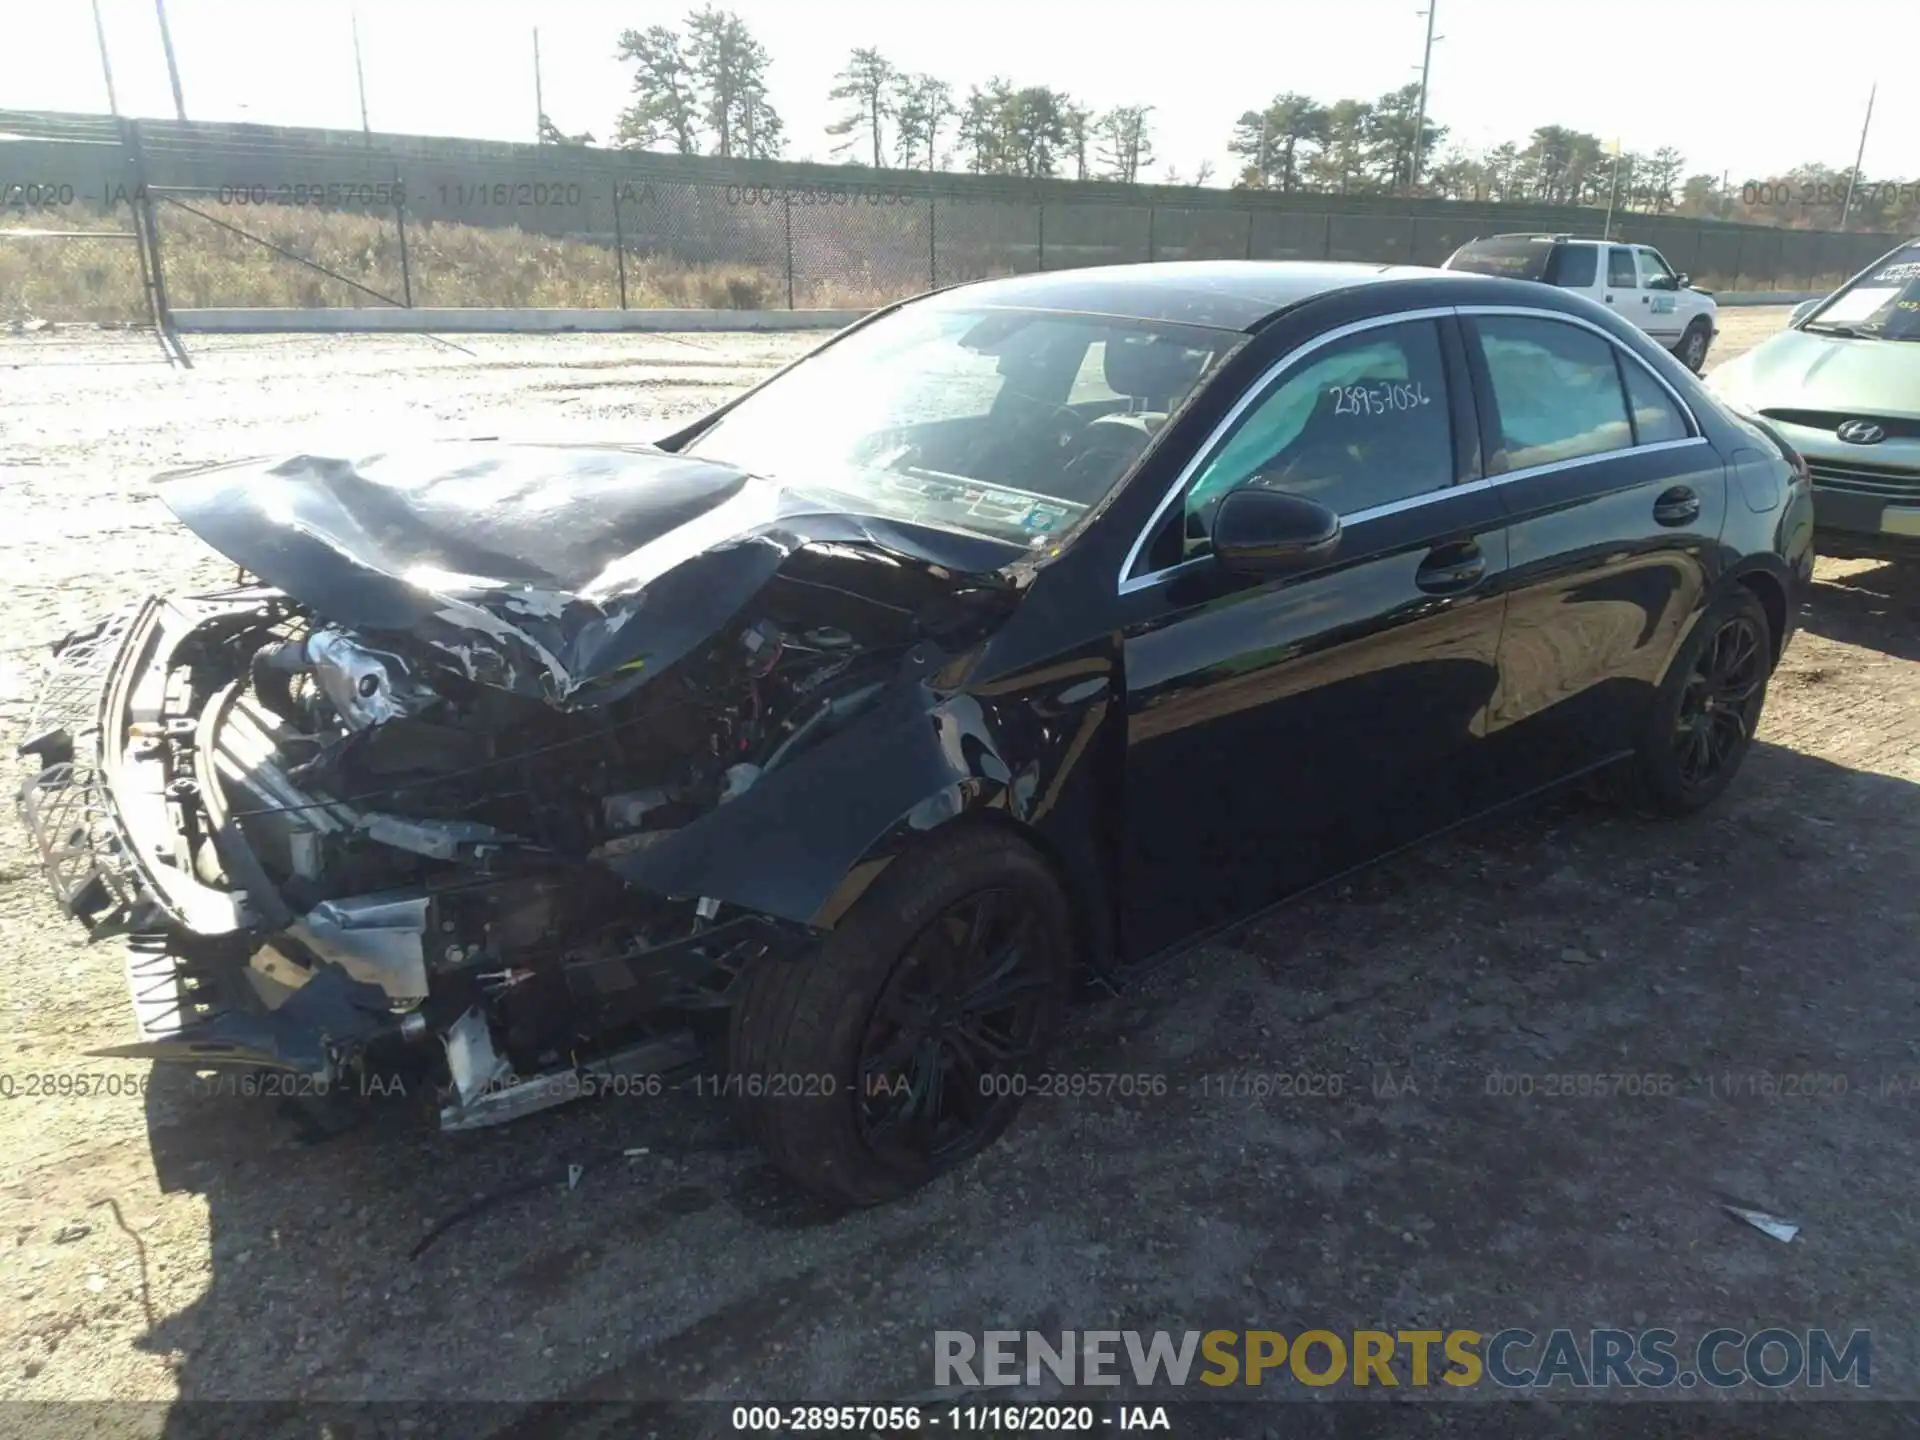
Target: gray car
1842	385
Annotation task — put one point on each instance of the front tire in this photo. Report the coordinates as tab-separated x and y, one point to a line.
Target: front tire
1692	349
1705	713
902	1048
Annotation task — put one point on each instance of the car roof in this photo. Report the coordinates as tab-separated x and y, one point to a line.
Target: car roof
1219	294
1563	239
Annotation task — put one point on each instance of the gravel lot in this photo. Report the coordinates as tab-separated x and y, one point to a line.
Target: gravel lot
190	1247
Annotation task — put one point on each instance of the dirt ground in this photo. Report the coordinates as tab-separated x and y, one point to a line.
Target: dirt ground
186	1247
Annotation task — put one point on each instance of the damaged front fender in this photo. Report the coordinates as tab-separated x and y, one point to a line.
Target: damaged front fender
808	838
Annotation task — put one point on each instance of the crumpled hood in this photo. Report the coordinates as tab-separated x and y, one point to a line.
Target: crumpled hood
543	569
1802	371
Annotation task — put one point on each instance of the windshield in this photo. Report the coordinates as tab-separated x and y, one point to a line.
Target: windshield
1884	303
1005	423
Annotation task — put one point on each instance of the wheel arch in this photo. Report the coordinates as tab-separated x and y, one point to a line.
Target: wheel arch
1038	753
1086	887
1771	592
1756	578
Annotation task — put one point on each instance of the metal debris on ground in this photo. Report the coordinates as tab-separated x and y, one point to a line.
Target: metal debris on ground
1781	1230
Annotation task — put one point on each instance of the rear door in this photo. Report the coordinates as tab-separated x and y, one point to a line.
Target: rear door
1576	266
1282	729
1615	504
1620	285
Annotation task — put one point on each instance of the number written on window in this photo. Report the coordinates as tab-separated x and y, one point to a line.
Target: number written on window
1382	399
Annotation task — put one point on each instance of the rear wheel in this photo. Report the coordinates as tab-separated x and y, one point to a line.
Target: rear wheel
1705	714
903	1047
1692	348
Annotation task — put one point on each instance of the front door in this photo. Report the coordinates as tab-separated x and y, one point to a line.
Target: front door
1615	505
1659	294
1280	730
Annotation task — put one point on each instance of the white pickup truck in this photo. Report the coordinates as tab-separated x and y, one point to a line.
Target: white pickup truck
1634	280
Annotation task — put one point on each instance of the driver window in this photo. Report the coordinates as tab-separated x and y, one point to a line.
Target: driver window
1652	267
1362	423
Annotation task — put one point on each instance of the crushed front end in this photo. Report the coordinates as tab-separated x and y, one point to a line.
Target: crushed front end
341	857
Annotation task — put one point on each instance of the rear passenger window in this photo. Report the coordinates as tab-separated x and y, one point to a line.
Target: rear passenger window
1362	422
1655	416
1574	266
1556	389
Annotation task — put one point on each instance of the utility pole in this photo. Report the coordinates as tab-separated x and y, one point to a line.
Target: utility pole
1266	131
173	70
1420	118
1859	155
539	104
1614	147
360	76
106	65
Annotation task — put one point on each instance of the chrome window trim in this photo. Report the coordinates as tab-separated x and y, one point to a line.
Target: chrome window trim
1532	313
1128	584
1253	392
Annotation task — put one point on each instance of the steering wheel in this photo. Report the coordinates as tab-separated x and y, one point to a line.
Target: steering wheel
1067	422
1024	414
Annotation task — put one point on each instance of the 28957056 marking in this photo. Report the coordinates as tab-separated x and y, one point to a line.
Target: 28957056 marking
1577	1086
1077	1084
856	1418
1383	398
68	1084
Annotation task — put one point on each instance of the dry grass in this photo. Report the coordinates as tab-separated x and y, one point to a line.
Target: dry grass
448	265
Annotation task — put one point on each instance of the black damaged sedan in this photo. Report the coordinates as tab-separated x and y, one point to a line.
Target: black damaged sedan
1021	632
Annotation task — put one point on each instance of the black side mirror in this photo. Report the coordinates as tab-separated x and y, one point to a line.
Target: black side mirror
1682	280
1260	531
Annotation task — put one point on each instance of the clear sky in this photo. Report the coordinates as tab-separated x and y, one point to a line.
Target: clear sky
1747	86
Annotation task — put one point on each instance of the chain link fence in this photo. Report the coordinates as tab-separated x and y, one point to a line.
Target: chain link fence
258	217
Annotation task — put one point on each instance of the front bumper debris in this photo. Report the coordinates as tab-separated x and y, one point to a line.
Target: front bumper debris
226	970
65	807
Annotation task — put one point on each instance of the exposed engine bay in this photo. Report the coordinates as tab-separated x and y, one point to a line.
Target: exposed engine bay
440	840
342	846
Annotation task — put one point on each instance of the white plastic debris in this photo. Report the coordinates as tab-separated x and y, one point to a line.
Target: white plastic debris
574	1172
1781	1230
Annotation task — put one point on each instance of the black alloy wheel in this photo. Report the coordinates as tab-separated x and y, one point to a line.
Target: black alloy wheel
906	1043
1719	705
951	1036
1702	722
